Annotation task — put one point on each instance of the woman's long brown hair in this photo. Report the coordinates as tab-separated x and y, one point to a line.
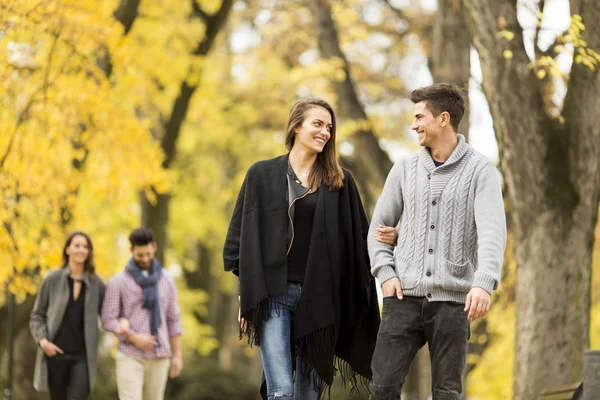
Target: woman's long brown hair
89	262
326	168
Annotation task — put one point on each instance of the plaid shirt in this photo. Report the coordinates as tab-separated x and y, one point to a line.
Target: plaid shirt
124	298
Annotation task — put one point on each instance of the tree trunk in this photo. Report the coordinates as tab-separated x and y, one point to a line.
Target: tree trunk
156	216
25	350
450	58
553	178
368	156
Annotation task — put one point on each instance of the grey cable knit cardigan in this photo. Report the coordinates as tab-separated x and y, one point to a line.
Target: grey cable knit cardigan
453	227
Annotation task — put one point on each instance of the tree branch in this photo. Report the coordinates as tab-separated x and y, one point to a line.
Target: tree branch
172	127
126	13
372	158
198	11
214	23
397	11
538	27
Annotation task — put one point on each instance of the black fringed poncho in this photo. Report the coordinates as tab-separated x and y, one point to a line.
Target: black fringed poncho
337	317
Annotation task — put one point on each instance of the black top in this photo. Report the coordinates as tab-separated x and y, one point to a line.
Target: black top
71	335
303	221
437	163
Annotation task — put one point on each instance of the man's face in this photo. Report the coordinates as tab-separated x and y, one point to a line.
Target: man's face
426	125
143	255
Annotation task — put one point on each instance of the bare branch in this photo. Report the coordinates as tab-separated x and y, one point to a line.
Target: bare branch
126	13
214	24
198	11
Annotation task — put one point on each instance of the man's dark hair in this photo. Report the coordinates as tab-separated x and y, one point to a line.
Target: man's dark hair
442	97
141	237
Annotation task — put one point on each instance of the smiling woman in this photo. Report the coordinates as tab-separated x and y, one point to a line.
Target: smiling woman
297	242
64	323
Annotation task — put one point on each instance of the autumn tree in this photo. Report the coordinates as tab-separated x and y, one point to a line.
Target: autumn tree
549	161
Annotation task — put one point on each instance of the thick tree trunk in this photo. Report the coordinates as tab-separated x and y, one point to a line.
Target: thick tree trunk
368	156
553	177
450	58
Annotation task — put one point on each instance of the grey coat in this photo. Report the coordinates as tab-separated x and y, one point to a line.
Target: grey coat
47	316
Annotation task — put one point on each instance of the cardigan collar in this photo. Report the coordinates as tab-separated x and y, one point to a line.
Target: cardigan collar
459	151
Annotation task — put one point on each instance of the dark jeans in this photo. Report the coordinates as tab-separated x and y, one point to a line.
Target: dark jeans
408	324
68	377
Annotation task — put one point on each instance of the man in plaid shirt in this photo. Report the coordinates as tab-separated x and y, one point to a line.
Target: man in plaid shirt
145	295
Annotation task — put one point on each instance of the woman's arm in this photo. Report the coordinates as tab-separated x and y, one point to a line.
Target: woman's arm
231	249
38	316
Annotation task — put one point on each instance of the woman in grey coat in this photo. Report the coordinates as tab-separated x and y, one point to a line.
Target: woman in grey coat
64	323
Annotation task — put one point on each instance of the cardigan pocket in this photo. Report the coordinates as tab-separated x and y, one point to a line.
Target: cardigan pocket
406	271
457	277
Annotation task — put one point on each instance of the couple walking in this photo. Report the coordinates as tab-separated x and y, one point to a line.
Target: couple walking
298	242
139	305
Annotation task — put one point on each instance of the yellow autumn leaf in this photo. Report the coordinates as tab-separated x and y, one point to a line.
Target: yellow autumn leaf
507	54
541	74
508	35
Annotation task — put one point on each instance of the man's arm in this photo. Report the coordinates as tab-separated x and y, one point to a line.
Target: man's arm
176	360
387	213
175	330
490	220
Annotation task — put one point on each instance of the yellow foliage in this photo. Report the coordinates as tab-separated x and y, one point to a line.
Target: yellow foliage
73	155
508	35
541	74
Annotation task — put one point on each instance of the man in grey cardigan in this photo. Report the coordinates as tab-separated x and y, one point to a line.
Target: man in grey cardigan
451	242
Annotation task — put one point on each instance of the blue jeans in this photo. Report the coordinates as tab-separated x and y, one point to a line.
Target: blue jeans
275	352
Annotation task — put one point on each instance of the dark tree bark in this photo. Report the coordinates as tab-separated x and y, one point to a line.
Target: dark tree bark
369	162
552	172
25	350
450	58
156	216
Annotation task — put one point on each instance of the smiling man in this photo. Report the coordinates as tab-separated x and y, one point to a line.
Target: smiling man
450	248
144	294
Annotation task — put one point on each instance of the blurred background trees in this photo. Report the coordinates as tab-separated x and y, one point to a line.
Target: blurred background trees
124	112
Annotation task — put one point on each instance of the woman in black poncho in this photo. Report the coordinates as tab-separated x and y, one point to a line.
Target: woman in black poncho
297	241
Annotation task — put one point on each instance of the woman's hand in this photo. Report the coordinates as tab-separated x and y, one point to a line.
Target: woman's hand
242	321
123	327
387	235
49	348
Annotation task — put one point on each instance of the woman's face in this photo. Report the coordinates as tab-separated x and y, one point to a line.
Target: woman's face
78	250
315	131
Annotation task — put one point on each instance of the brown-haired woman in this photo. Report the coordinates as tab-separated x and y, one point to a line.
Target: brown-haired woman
297	241
64	323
